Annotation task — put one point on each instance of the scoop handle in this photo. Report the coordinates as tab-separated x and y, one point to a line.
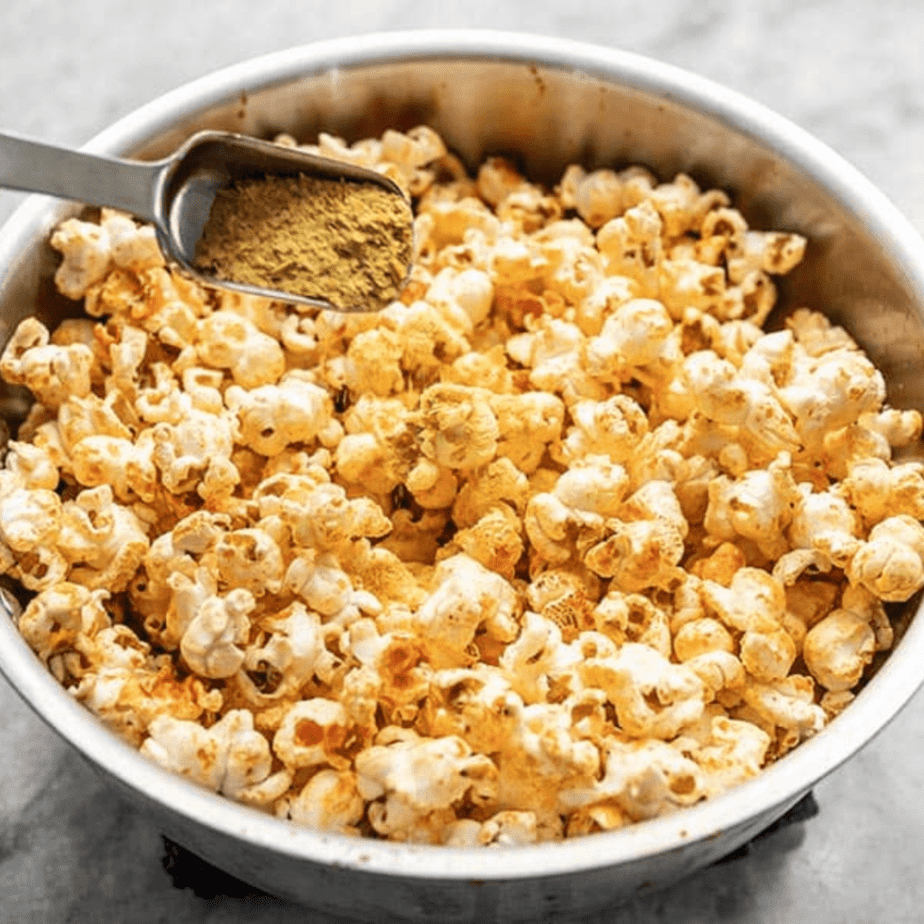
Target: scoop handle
33	166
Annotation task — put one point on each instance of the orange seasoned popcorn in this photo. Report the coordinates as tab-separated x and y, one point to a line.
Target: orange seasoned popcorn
559	541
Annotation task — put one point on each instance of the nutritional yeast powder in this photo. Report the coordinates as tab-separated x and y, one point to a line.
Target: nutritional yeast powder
345	241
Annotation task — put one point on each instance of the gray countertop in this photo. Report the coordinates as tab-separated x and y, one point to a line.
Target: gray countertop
851	72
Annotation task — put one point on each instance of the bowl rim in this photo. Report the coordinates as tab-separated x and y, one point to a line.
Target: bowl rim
776	787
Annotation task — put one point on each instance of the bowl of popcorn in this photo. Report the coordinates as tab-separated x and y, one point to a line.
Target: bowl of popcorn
558	578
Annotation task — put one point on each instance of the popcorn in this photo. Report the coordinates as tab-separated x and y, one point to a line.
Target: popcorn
573	265
838	649
527	424
429	336
395	661
876	490
498	482
102	541
410	778
228	757
289	654
554	351
685	283
646	546
211	643
477	704
596	488
653	698
126	688
293	411
498	179
161	400
641	779
891	562
727	398
29	521
470	291
30	466
528	661
899	428
831	391
559	541
320	582
631	244
312	732
511	263
826	522
373	363
110	460
134	247
719	671
329	801
767	655
769	251
734	753
573	517
545	747
458	427
466	597
614	428
495	541
699	636
754	601
379	447
566	596
251	559
229	341
50	371
867	605
170	602
757	506
194	454
634	618
85	247
787	705
505	829
55	618
597	196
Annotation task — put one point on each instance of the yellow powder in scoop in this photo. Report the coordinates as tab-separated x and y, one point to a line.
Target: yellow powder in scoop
348	242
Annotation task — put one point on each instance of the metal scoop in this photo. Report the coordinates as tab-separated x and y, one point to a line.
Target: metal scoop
175	194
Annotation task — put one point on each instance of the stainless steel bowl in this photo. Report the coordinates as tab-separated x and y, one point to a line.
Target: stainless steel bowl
551	102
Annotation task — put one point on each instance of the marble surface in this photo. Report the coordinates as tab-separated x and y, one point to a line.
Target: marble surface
851	72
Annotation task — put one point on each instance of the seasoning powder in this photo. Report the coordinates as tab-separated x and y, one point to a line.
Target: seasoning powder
344	241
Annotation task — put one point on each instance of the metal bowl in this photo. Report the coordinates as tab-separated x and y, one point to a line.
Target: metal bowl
551	102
